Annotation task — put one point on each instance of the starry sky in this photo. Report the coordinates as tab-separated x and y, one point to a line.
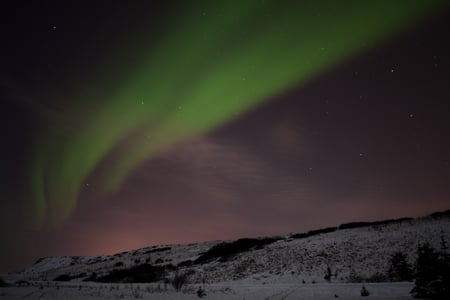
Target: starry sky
129	124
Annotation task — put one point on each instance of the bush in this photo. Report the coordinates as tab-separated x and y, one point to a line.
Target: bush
364	292
201	292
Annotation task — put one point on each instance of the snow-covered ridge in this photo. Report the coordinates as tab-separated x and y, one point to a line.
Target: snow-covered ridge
353	254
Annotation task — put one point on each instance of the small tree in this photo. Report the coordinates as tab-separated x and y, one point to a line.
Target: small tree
400	269
201	292
364	292
178	281
328	274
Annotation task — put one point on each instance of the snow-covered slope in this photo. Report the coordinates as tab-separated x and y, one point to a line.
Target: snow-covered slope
351	255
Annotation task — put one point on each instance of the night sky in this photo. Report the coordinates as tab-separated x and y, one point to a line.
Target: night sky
133	123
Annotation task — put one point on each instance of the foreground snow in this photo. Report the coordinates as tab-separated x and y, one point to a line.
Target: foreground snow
320	291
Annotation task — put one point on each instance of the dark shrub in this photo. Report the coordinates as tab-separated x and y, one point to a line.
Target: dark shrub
63	277
201	293
226	250
364	292
137	274
186	263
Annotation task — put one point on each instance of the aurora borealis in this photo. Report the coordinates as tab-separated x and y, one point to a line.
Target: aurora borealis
114	88
214	63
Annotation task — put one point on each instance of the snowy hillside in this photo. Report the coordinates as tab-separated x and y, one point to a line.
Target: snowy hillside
350	255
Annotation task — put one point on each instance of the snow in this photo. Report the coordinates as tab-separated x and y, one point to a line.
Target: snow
286	269
324	291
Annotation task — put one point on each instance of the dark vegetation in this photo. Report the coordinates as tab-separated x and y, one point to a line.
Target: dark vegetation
119	264
313	232
364	292
440	214
432	272
137	274
346	226
66	277
94	261
377	277
201	292
161	249
328	274
3	283
400	269
226	250
365	224
178	281
186	263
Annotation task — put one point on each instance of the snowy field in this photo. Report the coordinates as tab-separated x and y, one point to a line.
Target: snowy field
45	290
286	268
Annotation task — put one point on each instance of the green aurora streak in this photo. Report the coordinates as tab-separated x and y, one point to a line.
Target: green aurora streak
215	62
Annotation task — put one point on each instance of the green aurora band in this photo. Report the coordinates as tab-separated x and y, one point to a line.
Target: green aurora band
214	62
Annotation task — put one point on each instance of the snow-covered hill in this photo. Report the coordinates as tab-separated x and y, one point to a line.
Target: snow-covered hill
351	255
